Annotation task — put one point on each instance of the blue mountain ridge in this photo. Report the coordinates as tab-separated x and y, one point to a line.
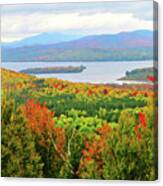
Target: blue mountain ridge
41	39
134	45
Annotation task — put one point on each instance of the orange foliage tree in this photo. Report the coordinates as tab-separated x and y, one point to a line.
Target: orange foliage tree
106	155
49	137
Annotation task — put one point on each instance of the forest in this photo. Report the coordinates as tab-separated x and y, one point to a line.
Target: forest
141	74
55	70
59	129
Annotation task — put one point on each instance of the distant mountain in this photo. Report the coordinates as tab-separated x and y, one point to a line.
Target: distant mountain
41	39
135	39
136	45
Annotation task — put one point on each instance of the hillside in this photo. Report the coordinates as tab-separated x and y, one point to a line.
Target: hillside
67	128
124	46
41	39
142	74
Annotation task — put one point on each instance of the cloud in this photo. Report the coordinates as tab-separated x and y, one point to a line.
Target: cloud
19	21
142	9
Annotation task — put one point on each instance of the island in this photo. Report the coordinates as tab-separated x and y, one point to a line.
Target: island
139	74
54	70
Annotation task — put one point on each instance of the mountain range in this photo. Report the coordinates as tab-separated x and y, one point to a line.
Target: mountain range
123	46
41	39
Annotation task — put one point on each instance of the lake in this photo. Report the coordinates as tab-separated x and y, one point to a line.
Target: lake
95	72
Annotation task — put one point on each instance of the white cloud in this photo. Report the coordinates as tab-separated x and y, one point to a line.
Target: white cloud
19	26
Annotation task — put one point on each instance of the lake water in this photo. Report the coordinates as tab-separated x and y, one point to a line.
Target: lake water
95	72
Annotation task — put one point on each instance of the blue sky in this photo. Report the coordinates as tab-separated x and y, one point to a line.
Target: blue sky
19	21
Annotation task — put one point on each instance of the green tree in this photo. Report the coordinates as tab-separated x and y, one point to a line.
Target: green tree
18	155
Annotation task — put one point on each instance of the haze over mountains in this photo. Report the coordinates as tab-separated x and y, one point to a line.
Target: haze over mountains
42	39
125	46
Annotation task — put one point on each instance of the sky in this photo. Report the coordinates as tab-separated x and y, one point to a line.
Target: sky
25	20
